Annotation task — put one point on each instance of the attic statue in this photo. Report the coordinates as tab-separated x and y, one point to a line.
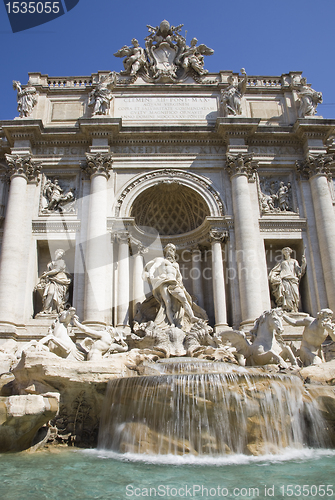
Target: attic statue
135	58
26	98
309	98
100	97
231	97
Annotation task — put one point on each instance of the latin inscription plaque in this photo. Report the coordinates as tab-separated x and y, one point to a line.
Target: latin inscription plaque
166	108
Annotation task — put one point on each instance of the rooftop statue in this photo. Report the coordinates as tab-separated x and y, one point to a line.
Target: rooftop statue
26	98
284	281
100	97
166	57
193	57
135	58
309	98
231	97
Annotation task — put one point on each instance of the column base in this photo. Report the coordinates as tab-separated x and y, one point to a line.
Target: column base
220	327
94	324
125	329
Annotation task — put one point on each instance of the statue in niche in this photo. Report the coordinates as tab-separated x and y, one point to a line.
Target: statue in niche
99	99
315	333
231	97
101	343
135	58
284	281
309	98
164	276
54	285
56	200
26	98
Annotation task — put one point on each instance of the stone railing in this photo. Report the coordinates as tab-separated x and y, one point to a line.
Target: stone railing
70	82
265	81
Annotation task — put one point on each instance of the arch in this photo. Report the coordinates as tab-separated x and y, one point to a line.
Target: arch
200	184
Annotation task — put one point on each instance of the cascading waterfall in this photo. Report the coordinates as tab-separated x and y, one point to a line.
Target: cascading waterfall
206	408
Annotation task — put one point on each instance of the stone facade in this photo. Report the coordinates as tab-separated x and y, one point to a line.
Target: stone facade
109	168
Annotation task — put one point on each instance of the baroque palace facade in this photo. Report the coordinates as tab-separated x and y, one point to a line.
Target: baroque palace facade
99	173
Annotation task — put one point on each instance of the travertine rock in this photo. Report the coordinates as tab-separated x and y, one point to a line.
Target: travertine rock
21	417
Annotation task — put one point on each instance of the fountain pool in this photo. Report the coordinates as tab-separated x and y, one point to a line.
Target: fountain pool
103	475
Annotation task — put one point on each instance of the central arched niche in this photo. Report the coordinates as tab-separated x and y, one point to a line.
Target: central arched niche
170	208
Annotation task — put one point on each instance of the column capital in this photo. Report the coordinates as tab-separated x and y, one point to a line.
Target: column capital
138	247
121	237
315	165
23	166
98	164
218	235
242	164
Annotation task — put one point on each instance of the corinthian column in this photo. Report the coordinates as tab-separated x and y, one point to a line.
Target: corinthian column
316	168
241	169
219	291
122	306
21	169
97	167
196	276
138	283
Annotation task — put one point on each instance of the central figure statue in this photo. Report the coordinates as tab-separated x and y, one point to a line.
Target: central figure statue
164	276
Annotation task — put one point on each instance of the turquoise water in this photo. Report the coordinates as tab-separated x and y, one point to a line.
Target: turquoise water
94	474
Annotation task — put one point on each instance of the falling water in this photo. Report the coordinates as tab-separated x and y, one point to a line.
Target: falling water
207	409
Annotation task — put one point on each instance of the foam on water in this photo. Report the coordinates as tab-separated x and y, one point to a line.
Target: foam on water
288	454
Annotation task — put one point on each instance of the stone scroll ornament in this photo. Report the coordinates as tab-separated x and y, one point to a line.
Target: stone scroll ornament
26	15
166	57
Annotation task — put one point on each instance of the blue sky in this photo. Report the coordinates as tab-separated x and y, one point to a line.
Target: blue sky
263	36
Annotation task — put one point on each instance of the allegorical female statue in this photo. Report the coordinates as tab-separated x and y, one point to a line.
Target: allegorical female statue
284	281
54	285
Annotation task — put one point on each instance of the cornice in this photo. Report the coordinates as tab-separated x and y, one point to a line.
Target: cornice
291	223
60	226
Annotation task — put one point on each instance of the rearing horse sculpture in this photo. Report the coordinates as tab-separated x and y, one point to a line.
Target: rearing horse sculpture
266	346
